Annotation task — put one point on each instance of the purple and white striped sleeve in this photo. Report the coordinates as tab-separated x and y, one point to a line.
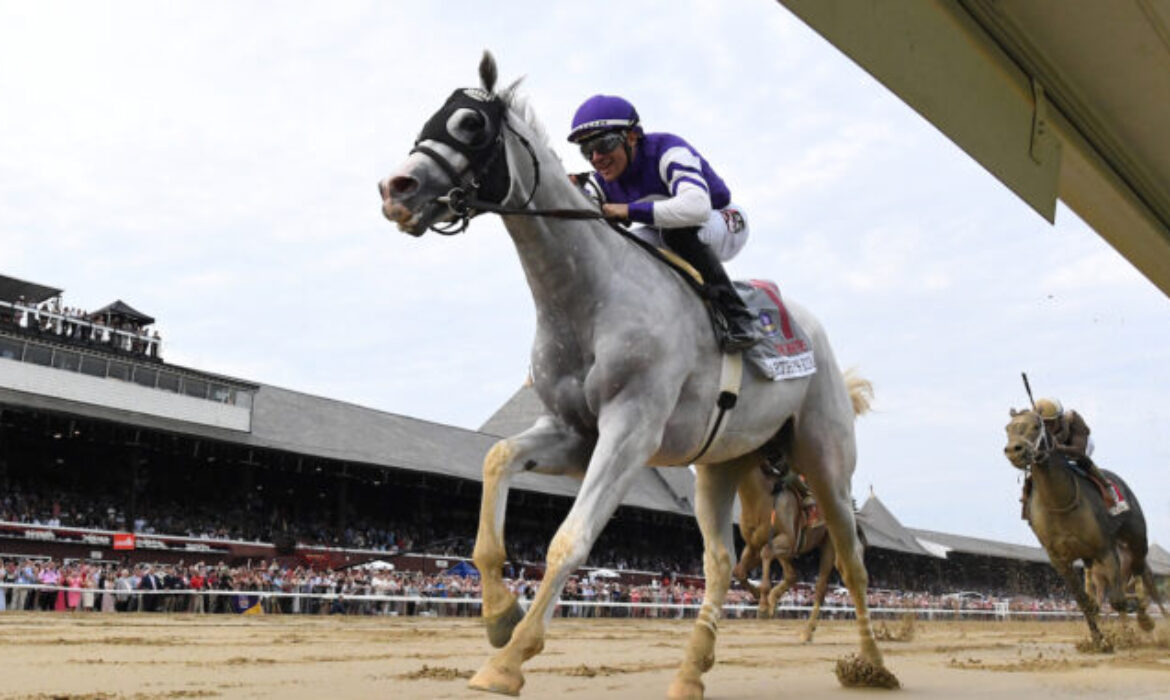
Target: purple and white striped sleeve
689	203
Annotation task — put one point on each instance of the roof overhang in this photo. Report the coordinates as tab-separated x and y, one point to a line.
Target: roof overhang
1059	99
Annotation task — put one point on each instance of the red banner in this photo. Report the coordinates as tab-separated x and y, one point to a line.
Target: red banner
124	540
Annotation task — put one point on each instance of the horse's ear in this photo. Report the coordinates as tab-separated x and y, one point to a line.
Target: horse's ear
1013	412
488	72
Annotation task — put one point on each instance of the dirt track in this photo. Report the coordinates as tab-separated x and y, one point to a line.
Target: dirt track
151	656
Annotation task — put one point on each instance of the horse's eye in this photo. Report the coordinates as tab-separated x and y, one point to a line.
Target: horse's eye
468	126
472	122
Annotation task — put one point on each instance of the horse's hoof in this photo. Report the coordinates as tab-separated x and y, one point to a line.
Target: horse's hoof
806	636
685	690
1095	645
495	680
855	672
1146	623
764	614
499	628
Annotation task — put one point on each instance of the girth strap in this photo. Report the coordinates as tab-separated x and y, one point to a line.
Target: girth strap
730	382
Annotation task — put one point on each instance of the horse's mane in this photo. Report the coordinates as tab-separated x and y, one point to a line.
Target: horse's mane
521	105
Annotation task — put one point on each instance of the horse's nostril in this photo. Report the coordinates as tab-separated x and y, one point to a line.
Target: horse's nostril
402	185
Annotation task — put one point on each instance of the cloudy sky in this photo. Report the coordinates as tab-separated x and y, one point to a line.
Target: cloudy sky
214	164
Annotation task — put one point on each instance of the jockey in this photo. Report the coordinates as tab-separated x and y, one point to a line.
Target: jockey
660	181
1070	434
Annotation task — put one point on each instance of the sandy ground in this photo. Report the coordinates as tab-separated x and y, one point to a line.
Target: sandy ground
154	656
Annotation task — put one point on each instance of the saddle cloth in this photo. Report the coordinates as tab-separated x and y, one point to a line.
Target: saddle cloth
786	352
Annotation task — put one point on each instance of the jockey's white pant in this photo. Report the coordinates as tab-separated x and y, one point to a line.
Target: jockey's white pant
726	232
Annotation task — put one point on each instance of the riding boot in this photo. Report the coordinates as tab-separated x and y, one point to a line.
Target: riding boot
740	333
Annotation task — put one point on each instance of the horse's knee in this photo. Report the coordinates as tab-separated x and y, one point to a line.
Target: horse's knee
496	462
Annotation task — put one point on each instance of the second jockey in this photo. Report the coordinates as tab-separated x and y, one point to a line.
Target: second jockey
660	181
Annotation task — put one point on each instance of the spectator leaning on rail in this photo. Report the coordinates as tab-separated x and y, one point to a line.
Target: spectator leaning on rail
660	181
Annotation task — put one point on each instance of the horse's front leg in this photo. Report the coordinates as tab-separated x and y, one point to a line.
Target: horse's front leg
828	558
748	559
767	556
627	437
546	447
714	499
1087	605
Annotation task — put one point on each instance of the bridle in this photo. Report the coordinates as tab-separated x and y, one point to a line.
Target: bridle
1039	451
464	199
481	188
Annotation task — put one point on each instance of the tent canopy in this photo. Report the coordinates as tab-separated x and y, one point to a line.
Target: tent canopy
12	289
377	565
121	311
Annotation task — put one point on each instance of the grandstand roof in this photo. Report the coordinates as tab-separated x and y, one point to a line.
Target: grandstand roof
981	547
883	530
1158	560
516	415
11	289
121	310
292	421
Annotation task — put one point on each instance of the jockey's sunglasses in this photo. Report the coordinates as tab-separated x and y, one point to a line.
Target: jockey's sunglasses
602	144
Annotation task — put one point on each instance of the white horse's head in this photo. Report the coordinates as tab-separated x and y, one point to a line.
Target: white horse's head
458	155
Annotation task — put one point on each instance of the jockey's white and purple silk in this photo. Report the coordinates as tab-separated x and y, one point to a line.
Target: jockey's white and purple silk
667	184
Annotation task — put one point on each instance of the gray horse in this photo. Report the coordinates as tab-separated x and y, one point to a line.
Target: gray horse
627	368
1070	519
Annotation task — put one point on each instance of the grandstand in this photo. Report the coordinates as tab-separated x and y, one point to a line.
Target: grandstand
101	440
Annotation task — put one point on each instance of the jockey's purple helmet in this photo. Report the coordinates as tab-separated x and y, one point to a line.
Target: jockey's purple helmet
602	113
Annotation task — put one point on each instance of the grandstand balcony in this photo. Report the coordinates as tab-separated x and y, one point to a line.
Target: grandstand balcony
98	376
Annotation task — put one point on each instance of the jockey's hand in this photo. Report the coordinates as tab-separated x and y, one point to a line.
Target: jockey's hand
619	212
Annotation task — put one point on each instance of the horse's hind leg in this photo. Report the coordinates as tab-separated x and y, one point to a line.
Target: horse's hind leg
1114	576
825	454
1143	602
545	448
714	498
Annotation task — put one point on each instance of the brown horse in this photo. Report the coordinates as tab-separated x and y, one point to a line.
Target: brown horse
772	527
1069	517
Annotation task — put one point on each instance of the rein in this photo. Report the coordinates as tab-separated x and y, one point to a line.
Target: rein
1042	438
464	203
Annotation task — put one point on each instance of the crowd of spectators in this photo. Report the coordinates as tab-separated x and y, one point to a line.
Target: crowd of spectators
249	520
48	585
73	325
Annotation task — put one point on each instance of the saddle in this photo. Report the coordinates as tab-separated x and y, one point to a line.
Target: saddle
1109	490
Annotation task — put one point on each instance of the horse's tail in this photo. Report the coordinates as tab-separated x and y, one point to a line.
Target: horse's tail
860	391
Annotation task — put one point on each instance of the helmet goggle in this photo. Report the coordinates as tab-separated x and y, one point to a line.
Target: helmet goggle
602	144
